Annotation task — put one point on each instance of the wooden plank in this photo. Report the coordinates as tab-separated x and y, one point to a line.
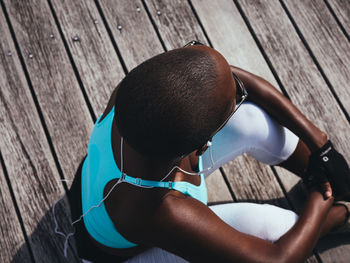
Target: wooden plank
296	70
229	35
327	42
245	174
78	19
218	191
61	101
176	22
135	22
177	26
12	244
93	54
294	65
136	37
254	182
341	9
30	166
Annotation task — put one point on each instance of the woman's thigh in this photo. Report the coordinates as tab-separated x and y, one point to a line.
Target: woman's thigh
250	130
265	221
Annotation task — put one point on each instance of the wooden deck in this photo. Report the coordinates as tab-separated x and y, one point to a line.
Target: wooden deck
60	60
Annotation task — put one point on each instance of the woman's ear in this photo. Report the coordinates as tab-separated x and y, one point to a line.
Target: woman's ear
204	148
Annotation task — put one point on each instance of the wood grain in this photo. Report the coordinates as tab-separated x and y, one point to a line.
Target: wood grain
172	25
61	101
12	244
341	9
229	35
298	73
255	182
327	42
130	31
177	25
176	22
218	192
244	174
296	70
29	162
30	166
93	54
137	39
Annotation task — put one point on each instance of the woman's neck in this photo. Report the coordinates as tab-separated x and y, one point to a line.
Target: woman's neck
136	164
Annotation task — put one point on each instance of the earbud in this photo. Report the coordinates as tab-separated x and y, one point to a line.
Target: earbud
209	143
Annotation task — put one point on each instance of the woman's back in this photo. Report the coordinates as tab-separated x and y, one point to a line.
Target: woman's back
128	210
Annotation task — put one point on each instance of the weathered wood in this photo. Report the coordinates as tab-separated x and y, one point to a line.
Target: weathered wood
30	166
176	22
229	35
244	174
297	72
61	101
252	181
296	69
24	145
136	37
135	52
218	192
168	23
327	42
341	9
93	54
12	244
177	26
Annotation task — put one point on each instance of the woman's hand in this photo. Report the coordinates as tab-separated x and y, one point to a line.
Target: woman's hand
326	190
331	166
336	170
315	178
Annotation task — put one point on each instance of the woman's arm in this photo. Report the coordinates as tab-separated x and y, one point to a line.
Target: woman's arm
186	227
334	167
278	106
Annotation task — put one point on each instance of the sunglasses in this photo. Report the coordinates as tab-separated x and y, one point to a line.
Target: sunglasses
241	92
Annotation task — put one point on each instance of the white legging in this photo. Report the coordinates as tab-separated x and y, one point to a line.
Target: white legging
250	130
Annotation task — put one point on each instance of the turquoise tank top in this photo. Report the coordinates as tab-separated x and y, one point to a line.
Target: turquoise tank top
99	168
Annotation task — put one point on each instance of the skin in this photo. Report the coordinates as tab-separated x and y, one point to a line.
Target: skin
186	227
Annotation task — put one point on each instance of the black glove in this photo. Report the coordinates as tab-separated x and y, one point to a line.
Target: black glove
315	176
332	163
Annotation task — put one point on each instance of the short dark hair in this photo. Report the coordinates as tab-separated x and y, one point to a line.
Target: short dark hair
165	107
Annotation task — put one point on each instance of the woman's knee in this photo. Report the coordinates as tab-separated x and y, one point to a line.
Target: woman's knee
277	221
265	139
261	220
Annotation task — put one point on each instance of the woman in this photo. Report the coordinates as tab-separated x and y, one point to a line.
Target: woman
142	181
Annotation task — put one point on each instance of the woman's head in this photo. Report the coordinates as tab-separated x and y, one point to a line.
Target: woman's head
171	104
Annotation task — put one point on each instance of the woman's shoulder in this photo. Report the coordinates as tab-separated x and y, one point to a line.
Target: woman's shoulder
110	104
143	212
159	218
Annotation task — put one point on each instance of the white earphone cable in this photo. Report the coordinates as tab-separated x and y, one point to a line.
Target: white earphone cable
118	182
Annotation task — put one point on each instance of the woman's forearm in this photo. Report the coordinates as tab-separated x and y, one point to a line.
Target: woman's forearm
298	242
281	109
